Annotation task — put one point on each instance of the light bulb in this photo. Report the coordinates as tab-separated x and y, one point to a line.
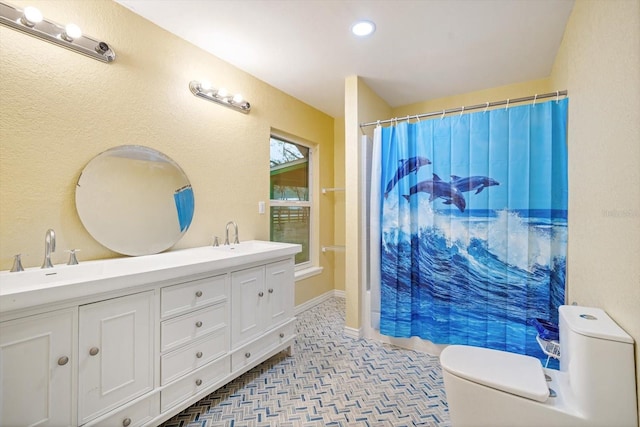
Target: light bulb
363	28
31	16
71	32
237	98
205	85
222	93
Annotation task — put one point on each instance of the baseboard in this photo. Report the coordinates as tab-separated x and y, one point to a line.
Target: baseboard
318	300
352	332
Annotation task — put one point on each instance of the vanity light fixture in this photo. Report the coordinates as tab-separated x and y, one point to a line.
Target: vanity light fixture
219	96
30	21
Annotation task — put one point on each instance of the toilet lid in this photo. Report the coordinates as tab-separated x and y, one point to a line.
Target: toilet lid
514	373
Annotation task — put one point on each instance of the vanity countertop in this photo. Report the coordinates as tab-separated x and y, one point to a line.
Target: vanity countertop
36	286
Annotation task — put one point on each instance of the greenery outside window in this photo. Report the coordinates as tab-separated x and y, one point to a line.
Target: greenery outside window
290	211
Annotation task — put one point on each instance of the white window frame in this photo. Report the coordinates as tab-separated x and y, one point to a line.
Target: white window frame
309	203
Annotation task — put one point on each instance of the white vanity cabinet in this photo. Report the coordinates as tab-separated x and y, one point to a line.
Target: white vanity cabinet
115	353
132	342
37	366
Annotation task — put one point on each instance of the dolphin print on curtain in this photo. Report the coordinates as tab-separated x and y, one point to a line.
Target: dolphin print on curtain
473	226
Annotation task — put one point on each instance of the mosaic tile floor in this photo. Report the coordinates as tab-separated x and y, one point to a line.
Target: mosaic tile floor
331	380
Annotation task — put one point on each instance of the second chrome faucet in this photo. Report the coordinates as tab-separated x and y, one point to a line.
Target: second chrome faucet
49	248
226	233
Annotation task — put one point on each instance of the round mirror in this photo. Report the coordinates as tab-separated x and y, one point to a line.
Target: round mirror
134	200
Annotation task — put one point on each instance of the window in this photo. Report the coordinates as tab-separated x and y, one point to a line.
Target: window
290	196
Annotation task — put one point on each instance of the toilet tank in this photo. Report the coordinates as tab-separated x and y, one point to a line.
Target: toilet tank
598	357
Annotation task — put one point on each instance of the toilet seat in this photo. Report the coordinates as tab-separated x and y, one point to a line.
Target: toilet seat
513	373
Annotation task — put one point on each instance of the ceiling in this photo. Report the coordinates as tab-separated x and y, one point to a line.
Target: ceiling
421	49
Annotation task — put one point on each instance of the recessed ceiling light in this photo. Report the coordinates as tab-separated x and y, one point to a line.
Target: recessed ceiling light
363	28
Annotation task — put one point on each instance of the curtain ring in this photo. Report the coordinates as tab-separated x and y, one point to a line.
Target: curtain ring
378	124
534	99
442	116
557	95
485	108
462	111
407	118
418	118
505	108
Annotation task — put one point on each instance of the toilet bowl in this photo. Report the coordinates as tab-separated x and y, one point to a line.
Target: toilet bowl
595	385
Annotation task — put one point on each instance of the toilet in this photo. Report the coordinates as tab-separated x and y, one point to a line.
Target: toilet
595	385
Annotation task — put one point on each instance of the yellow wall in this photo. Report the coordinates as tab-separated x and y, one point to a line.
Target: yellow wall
59	109
599	63
361	105
512	91
339	204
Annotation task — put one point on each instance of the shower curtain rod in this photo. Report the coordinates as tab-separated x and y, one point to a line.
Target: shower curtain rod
486	105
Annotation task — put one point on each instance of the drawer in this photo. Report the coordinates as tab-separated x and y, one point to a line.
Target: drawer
210	375
250	353
186	328
184	297
185	359
135	415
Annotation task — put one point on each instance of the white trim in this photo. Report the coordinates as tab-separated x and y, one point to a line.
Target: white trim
305	273
353	332
318	300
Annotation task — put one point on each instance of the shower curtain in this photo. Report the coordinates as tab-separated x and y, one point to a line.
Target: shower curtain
469	226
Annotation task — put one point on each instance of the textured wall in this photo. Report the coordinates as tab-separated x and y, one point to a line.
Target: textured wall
599	63
59	109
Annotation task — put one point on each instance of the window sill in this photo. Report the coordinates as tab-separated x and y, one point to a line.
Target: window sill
307	272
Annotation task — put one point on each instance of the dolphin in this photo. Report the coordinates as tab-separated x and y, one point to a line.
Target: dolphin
439	189
406	167
471	183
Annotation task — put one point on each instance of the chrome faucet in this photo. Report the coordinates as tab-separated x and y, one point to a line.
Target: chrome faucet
226	233
49	248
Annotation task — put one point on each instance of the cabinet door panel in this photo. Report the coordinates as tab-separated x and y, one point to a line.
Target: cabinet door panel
115	353
248	295
37	370
279	292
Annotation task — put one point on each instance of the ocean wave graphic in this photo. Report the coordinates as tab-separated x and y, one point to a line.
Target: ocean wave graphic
473	279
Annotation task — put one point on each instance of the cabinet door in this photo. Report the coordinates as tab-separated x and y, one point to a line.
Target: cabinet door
115	353
279	292
37	365
247	304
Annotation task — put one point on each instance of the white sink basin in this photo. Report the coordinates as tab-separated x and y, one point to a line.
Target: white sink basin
59	273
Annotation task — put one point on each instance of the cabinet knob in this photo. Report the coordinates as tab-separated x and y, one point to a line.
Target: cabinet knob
247	355
198	382
281	334
94	350
260	294
199	294
270	290
198	324
199	355
126	422
63	360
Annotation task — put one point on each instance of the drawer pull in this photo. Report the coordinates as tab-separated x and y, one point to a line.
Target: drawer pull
199	294
94	350
260	294
63	360
199	355
198	324
198	382
281	334
126	422
270	290
247	355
